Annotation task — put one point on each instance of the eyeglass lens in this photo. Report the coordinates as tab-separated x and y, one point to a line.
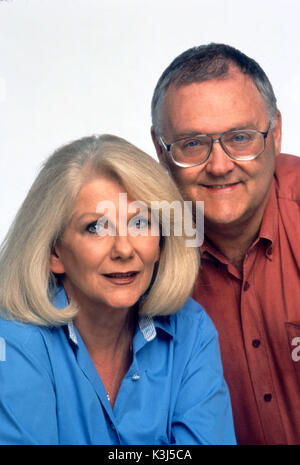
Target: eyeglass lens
238	144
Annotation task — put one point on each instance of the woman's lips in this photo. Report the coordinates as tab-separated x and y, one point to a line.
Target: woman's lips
121	278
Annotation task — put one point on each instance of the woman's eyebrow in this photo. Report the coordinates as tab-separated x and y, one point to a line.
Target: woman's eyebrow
88	214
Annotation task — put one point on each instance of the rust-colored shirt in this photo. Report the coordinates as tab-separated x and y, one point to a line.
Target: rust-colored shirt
257	315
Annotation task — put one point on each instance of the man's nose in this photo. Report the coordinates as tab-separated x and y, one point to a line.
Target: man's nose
219	163
122	247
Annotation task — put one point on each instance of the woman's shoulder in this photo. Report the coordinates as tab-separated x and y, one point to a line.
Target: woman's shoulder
21	339
191	321
14	329
192	311
192	335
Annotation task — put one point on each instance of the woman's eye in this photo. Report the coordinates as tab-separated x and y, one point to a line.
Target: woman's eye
99	227
138	224
141	223
92	227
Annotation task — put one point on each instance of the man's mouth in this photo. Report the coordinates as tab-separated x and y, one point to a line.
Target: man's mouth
221	187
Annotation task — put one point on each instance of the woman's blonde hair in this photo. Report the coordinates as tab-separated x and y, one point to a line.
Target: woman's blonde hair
25	277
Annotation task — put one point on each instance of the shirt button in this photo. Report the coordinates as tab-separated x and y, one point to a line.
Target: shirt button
267	397
270	251
135	377
256	343
246	286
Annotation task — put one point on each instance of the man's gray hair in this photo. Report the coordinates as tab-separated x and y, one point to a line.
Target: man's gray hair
207	62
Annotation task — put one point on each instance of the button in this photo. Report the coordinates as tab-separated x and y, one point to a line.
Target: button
135	377
267	397
270	251
256	343
246	286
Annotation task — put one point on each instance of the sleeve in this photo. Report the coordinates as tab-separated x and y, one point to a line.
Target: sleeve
202	413
27	396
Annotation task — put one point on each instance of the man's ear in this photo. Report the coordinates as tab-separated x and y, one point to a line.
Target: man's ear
159	149
56	265
277	133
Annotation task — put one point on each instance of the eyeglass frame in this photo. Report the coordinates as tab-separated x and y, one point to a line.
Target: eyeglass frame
168	147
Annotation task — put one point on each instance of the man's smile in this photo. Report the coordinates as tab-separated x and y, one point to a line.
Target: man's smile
221	188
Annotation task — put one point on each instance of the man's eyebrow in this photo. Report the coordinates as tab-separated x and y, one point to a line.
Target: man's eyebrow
187	133
243	126
192	133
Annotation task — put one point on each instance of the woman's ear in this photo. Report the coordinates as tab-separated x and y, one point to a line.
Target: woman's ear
56	265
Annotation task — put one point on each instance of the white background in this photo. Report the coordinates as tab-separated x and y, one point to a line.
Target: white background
69	68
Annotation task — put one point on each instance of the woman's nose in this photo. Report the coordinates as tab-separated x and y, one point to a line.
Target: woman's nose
122	247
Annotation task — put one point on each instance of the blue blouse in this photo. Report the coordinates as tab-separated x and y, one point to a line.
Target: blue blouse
174	391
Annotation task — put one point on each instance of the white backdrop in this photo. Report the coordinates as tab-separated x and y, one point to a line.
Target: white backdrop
70	68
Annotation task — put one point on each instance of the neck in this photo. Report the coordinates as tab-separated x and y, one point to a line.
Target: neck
108	338
233	241
104	331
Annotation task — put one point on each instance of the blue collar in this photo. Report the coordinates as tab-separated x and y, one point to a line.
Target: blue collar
147	324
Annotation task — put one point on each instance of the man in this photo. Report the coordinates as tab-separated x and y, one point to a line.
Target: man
217	128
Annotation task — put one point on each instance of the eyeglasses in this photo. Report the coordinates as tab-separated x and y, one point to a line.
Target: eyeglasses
239	145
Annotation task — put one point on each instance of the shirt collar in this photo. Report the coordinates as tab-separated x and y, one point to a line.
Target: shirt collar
147	324
269	223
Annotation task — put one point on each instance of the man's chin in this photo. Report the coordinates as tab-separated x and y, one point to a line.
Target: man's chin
227	222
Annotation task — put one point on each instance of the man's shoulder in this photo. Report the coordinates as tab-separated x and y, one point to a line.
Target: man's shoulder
287	176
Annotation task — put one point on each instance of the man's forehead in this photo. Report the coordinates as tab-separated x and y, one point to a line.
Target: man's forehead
213	99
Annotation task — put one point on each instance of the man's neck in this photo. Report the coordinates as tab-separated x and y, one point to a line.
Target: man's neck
233	241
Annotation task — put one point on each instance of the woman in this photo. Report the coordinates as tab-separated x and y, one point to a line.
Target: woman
102	343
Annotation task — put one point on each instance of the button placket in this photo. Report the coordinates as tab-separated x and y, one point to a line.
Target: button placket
256	343
268	397
246	286
256	350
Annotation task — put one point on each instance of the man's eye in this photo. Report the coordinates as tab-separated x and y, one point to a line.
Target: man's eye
239	138
242	137
192	143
